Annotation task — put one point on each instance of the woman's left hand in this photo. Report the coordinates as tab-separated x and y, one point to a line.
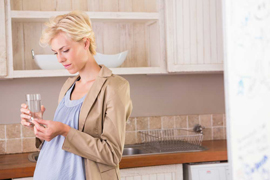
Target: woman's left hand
53	128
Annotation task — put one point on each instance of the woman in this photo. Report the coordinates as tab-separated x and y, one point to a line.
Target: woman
86	138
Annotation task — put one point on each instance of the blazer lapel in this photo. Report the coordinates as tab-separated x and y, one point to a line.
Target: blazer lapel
66	86
92	94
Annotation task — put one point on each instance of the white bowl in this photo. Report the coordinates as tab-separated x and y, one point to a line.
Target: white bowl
111	61
49	62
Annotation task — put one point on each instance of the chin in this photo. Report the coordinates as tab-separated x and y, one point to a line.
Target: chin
72	71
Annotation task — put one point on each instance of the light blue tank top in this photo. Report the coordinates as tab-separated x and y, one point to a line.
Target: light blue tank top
54	163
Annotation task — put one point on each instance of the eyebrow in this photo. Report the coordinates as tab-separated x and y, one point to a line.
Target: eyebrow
59	49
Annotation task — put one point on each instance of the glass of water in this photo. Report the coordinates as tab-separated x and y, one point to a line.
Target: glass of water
34	105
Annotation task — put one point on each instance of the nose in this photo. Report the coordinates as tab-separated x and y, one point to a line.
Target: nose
61	58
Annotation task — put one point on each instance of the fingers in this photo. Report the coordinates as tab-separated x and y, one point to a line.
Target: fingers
41	131
27	124
24	109
42	108
38	131
42	121
24	105
25	116
38	127
38	135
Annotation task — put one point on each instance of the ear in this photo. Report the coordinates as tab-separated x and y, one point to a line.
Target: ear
86	42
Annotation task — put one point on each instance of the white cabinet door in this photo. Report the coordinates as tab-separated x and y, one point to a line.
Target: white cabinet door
208	171
165	172
3	47
194	35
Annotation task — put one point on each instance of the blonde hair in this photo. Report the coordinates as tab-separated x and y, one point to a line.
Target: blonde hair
75	24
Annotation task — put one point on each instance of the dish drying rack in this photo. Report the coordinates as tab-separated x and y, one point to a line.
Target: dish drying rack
167	140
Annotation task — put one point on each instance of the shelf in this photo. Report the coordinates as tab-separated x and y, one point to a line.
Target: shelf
65	73
141	33
197	68
40	16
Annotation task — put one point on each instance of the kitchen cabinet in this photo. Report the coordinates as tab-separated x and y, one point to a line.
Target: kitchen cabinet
119	25
164	172
3	47
162	36
18	165
194	35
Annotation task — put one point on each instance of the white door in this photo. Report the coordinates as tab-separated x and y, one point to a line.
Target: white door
194	38
247	87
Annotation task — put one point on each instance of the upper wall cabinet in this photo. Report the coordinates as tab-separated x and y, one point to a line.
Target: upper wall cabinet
3	47
119	25
194	37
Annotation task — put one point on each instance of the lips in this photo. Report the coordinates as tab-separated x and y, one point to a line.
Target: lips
67	66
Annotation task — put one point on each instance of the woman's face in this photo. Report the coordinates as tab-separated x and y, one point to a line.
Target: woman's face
71	54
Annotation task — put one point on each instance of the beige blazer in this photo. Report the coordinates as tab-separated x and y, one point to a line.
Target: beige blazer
102	124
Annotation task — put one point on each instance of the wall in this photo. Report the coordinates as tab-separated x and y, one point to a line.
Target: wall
159	102
152	95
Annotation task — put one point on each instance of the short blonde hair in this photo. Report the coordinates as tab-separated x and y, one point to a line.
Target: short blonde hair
75	24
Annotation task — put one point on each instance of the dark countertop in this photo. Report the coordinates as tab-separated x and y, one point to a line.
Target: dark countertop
18	165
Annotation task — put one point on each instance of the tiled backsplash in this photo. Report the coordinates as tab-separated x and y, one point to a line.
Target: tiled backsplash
215	125
15	138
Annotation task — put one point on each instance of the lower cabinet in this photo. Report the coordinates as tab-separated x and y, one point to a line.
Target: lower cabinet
164	172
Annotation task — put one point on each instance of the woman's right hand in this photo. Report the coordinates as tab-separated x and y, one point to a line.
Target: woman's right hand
25	116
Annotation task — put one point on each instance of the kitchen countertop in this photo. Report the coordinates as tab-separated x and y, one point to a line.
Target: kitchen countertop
18	165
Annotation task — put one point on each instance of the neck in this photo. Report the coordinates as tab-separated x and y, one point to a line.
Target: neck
89	71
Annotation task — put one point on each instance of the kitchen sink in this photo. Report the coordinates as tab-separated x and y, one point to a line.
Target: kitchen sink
135	150
128	151
132	151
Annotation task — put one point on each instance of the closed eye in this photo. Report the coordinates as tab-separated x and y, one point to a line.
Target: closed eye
63	51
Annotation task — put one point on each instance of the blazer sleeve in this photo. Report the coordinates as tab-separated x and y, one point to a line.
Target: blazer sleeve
109	147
